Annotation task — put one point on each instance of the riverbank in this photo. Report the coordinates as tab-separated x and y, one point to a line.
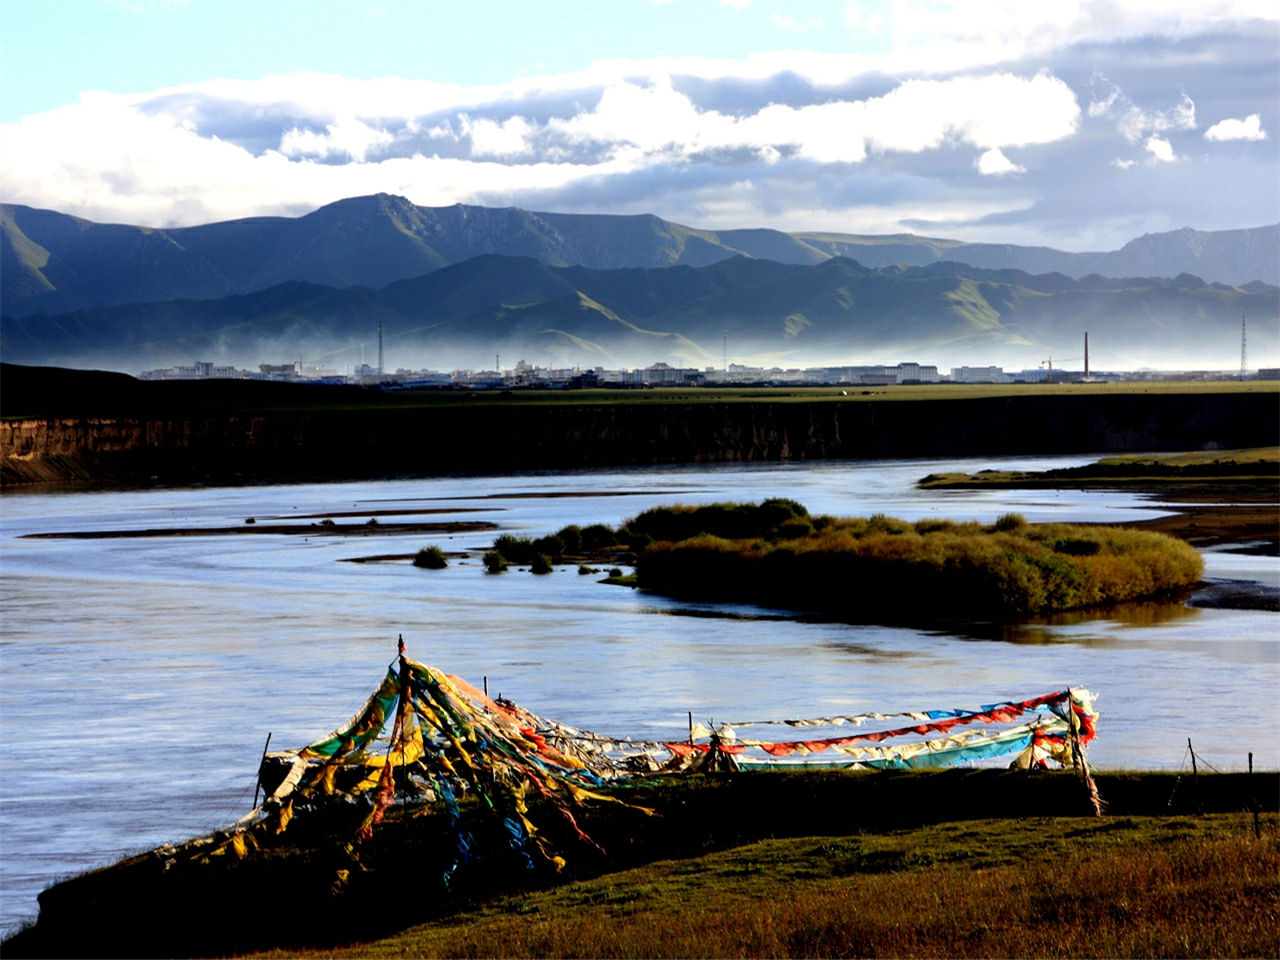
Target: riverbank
952	827
1218	498
1044	887
86	427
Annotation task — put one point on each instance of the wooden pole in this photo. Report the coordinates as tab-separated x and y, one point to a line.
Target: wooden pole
486	685
690	728
257	786
1257	827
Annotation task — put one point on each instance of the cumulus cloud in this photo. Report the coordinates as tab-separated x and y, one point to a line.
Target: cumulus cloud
1250	128
149	158
1134	122
995	163
1161	150
877	141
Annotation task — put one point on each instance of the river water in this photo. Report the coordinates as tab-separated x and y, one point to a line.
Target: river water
141	676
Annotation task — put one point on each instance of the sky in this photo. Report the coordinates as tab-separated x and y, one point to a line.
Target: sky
1074	125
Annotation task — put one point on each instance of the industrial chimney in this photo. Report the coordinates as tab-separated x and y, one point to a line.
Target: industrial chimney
1086	355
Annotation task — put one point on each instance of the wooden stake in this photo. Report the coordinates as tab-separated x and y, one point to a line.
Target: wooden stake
690	728
257	786
1257	827
486	685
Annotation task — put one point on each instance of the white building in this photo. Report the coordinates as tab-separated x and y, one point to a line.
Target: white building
979	375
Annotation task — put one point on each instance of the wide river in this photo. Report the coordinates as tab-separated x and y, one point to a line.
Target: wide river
141	676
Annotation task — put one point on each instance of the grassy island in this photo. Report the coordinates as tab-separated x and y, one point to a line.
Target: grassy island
775	553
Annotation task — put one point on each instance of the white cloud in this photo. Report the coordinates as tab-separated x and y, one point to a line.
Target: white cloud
995	163
1250	128
1133	122
788	23
999	110
1001	31
1161	150
347	137
946	77
736	5
491	139
1124	164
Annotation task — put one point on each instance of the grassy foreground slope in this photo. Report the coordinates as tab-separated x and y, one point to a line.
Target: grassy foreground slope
1051	887
776	554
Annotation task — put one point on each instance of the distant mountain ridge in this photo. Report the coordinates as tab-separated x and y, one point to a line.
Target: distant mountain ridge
56	263
821	313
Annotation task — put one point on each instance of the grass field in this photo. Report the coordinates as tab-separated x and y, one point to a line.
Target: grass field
1269	456
41	392
1052	887
1228	470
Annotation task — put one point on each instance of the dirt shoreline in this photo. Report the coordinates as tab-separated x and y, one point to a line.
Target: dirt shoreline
1219	524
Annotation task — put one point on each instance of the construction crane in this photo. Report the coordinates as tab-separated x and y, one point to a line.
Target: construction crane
1060	360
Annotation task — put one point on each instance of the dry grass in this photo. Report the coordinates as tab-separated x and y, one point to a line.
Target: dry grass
880	565
1158	887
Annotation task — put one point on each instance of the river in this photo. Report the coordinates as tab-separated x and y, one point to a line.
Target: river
141	676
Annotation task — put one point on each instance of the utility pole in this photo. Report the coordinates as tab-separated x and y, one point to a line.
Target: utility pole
1244	351
1086	355
497	362
726	351
379	349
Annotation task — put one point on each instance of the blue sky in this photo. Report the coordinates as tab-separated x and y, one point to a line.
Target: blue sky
55	50
1075	125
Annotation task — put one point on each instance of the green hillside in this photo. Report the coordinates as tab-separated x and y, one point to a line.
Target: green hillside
520	306
54	263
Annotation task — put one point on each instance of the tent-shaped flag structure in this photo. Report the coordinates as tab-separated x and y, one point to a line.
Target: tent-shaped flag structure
429	737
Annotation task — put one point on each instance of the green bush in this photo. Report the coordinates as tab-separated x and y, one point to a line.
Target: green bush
494	561
514	549
884	567
597	536
541	563
432	558
584	570
1008	522
552	546
793	529
571	538
638	541
732	520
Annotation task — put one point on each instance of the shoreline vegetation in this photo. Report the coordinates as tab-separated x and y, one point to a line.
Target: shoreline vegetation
791	863
776	554
1217	497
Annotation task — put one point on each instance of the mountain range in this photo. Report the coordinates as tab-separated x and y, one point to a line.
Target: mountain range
836	310
54	263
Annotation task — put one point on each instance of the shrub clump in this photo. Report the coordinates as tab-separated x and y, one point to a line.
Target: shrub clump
733	521
597	536
541	563
880	566
430	558
494	561
571	538
515	550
